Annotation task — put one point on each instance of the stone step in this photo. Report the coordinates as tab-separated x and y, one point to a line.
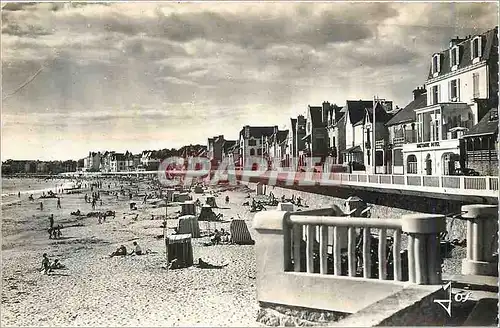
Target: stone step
473	282
484	314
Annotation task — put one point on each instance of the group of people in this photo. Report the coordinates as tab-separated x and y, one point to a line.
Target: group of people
221	236
48	266
122	250
96	196
54	232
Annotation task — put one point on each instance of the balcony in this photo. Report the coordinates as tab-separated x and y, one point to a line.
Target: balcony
410	137
380	144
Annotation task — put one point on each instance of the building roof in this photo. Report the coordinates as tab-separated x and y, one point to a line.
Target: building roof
282	136
487	125
381	114
258	131
489	39
316	116
407	114
229	144
356	109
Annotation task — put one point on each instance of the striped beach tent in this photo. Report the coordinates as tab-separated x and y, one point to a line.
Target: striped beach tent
188	224
240	234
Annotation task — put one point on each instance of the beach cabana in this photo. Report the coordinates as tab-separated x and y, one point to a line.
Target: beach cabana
179	248
287	207
181	197
170	194
356	207
206	214
198	190
240	234
189	224
188	208
260	189
211	201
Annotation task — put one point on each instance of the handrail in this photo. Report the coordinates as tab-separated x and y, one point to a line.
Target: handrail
340	221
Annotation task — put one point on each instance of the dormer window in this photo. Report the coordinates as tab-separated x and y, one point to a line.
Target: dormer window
436	64
454	57
476	47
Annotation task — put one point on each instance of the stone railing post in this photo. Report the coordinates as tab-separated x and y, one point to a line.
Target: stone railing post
273	246
482	239
424	257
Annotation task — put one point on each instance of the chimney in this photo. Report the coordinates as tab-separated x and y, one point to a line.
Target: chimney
326	108
418	92
247	132
456	41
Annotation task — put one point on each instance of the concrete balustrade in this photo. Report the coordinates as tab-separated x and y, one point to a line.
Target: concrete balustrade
288	276
482	239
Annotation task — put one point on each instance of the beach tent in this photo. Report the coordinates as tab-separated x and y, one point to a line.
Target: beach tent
240	234
260	188
178	197
188	208
355	207
179	247
206	214
287	207
188	224
170	194
211	201
198	190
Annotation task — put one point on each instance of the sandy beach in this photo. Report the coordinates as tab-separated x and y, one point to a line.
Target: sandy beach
133	290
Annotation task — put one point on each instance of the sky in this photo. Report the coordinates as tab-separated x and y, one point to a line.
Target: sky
136	76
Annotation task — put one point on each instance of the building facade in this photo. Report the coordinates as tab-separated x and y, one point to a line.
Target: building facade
252	142
461	80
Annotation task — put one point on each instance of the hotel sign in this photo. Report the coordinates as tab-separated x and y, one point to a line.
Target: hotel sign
428	144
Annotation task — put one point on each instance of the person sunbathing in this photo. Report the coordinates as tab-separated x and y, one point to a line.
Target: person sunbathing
120	251
57	265
137	249
204	265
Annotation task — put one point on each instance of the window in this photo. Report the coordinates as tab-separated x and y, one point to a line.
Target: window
435	94
411	164
476	48
454	90
436	63
259	151
398	157
252	142
454	52
475	85
252	152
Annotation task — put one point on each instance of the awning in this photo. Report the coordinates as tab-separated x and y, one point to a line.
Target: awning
307	138
355	149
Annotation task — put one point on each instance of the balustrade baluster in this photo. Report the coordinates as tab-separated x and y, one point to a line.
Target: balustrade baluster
351	248
336	252
323	249
396	254
420	258
311	236
411	259
297	241
367	265
382	248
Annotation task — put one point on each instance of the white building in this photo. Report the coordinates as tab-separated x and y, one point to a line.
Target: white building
252	141
461	78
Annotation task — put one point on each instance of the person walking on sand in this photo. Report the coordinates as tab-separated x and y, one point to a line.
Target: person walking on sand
41	206
86	198
45	264
93	204
19	194
58	202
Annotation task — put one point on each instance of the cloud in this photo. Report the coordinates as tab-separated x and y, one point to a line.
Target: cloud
203	65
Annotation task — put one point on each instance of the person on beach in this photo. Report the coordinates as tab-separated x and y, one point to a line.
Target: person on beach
58	202
137	249
86	198
120	251
45	264
227	199
51	221
93	204
99	218
57	265
31	198
217	237
19	195
204	265
41	206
